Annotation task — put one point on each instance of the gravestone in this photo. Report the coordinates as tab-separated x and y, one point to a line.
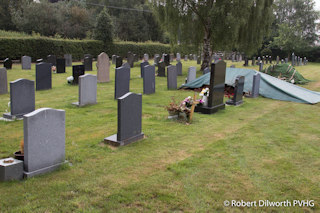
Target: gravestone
178	57
253	61
206	70
156	59
146	57
142	65
126	65
240	57
305	61
122	82
26	62
52	59
166	59
282	61
161	69
246	62
292	59
114	57
270	59
238	92
136	58
77	70
171	57
233	66
118	61
190	57
216	89
44	141
185	58
7	63
263	58
130	59
43	76
286	60
199	60
278	59
179	68
87	90
260	66
192	74
295	60
68	58
61	65
149	80
39	60
87	62
233	57
172	77
301	61
22	98
3	81
103	68
258	61
129	120
194	57
267	59
255	85
11	169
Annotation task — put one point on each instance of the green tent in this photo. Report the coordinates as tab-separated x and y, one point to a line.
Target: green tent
270	87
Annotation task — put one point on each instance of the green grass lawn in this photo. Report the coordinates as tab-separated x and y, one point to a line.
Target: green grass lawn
262	150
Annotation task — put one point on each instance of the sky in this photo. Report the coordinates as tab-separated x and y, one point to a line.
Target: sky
317	5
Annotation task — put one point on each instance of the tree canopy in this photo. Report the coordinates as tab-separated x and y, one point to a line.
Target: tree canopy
103	28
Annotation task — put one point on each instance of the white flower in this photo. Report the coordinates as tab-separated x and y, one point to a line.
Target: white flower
70	79
292	81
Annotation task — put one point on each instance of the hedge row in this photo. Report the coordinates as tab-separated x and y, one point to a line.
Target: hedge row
37	48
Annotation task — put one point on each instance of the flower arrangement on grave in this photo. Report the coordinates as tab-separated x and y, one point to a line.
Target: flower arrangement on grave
182	109
54	69
70	79
229	92
204	94
22	146
173	108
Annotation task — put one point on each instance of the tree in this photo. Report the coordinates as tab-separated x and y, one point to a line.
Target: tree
216	24
103	28
294	26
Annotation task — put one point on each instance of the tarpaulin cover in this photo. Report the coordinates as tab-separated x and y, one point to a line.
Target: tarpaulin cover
270	87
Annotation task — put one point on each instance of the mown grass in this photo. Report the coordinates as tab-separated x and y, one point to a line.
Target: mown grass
262	150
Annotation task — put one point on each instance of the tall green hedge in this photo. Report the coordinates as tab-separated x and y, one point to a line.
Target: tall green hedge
40	47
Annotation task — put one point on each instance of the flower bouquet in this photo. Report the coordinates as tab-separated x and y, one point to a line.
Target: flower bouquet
204	94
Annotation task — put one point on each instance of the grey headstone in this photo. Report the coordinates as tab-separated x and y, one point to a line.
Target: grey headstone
44	141
278	59
178	57
282	61
253	61
260	66
26	62
255	85
103	66
61	65
68	58
77	70
43	76
194	57
185	58
171	57
238	92
11	169
172	77
216	89
149	80
122	82
206	70
157	60
118	61
87	90
233	57
142	65
146	57
7	63
22	98
267	59
126	65
52	59
199	60
129	120
114	57
161	69
292	60
179	68
192	74
3	81
190	57
130	59
87	63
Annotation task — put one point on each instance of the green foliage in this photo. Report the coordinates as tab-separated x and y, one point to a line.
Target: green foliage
266	51
103	28
40	47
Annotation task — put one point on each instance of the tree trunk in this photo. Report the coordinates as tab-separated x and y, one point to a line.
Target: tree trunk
207	53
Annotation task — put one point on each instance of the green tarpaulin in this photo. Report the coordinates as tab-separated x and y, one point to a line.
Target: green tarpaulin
270	87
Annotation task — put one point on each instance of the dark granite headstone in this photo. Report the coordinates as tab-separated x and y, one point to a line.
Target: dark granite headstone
52	59
61	65
22	98
87	62
130	59
7	63
246	62
3	81
172	77
43	76
161	69
142	65
129	120
118	61
238	92
255	86
44	141
216	89
77	70
167	59
39	60
68	58
267	59
122	82
179	68
263	60
149	80
270	59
